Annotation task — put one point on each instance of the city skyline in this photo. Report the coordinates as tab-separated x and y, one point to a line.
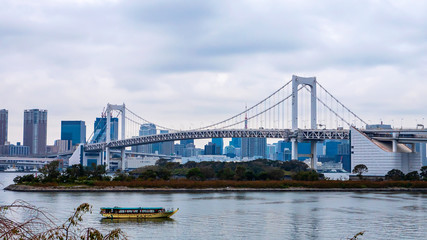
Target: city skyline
200	63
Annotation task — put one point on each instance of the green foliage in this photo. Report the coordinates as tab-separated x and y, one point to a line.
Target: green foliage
195	174
50	172
29	178
240	173
275	174
360	169
164	173
423	173
226	174
395	174
412	176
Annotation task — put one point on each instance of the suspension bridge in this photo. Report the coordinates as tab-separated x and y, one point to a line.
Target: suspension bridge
302	110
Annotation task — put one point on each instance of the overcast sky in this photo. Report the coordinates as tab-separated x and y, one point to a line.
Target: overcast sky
189	63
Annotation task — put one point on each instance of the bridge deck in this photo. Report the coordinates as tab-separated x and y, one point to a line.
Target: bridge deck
286	134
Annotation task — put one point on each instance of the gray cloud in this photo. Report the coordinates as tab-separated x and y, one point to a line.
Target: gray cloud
202	61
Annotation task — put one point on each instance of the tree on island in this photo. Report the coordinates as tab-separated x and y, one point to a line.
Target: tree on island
423	173
412	176
395	174
359	170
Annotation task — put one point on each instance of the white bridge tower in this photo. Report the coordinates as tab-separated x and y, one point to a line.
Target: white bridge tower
311	82
122	109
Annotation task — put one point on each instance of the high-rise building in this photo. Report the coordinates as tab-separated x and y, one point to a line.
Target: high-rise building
73	131
3	126
35	130
166	148
219	142
100	127
236	142
148	129
185	142
254	147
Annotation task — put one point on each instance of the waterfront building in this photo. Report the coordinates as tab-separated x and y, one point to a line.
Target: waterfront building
35	130
219	142
3	126
380	157
14	150
100	127
254	147
63	145
74	132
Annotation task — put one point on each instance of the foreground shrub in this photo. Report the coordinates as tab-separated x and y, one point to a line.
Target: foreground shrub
37	224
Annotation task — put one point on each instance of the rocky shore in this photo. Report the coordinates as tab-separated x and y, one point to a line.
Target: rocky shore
84	188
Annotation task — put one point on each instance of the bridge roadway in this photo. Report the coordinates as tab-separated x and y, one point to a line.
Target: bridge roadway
286	134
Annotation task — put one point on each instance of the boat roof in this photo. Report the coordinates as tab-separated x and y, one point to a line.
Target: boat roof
132	208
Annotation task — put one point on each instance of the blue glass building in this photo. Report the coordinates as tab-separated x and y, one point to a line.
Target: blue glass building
73	131
100	126
219	142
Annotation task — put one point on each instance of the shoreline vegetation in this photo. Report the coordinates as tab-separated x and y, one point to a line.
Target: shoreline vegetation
176	186
258	175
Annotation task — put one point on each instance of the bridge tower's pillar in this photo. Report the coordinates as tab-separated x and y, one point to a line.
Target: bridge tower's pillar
311	82
122	109
123	155
294	155
108	138
313	156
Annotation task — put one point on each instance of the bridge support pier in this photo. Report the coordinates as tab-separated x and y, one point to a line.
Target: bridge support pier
394	142
123	155
294	149
313	162
107	159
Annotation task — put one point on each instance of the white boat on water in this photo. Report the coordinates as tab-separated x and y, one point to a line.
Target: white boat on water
11	169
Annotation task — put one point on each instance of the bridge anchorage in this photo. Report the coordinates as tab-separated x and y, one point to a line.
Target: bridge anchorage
284	114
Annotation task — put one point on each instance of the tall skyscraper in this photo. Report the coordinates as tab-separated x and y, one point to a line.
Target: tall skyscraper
73	131
100	128
236	142
3	126
254	147
149	129
35	130
219	142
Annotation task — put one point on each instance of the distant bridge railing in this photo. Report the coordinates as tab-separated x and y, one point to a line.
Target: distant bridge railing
285	134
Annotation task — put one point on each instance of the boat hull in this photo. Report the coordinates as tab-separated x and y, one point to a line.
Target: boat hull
138	215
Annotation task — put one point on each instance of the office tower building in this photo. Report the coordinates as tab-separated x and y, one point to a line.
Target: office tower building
211	149
185	142
166	148
236	142
3	126
100	127
145	130
219	142
74	132
254	147
35	130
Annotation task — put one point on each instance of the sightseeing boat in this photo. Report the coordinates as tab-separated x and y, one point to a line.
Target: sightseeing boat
137	213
